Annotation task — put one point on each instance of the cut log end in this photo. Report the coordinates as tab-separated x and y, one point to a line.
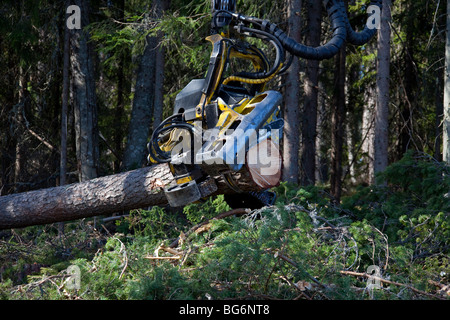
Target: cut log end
264	163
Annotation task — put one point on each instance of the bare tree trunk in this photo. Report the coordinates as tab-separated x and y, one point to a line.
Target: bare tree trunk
65	101
367	134
291	140
438	118
121	93
353	120
368	122
94	197
159	89
84	98
321	140
337	134
406	138
160	7
141	116
135	189
19	125
309	133
381	128
338	123
446	135
351	141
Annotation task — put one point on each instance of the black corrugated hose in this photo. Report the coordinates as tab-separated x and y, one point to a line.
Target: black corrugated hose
341	27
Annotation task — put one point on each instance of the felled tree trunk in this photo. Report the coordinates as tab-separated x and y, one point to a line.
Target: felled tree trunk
102	196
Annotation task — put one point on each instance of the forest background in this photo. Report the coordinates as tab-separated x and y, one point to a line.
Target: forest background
365	180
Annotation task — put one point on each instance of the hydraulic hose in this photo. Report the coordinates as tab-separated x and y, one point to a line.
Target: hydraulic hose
362	37
341	27
338	22
279	55
153	147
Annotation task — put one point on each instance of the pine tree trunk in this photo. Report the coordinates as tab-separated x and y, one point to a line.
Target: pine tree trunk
135	189
351	141
322	146
122	92
64	111
446	133
439	107
64	107
159	87
352	121
85	109
125	191
381	126
160	7
19	129
291	140
309	133
141	115
367	134
337	120
406	139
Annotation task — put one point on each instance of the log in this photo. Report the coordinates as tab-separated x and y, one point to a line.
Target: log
130	190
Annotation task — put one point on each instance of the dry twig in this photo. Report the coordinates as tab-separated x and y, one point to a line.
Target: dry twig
444	289
365	275
223	215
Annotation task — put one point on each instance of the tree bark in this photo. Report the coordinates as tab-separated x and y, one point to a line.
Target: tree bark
381	128
322	138
352	122
337	123
85	109
64	107
337	120
439	107
160	7
141	115
20	149
367	134
406	138
446	133
309	133
135	189
291	140
122	93
99	196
